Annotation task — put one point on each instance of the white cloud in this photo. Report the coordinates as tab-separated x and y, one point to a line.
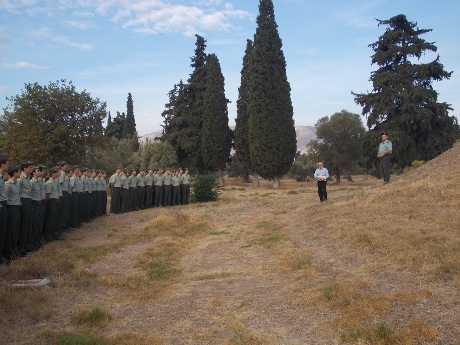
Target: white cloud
24	65
47	33
79	24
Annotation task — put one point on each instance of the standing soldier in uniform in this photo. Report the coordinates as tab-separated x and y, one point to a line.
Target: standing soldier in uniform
124	192
167	180
133	191
158	181
75	199
65	199
140	194
115	191
52	198
4	164
175	188
35	206
14	213
149	189
186	187
41	221
25	193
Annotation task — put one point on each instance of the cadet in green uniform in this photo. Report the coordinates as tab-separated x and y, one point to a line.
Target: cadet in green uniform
175	189
14	214
25	230
149	189
384	155
133	191
186	187
63	182
167	181
35	207
158	181
41	183
140	194
124	192
115	191
75	199
4	164
52	197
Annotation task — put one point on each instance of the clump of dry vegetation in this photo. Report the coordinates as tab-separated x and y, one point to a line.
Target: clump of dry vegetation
374	265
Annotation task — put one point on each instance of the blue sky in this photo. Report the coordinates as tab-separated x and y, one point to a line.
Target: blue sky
112	47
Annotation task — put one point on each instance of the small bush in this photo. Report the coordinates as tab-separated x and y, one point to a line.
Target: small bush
205	188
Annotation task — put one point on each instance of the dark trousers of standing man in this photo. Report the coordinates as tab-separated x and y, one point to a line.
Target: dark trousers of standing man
167	195
12	232
322	192
115	198
3	227
158	196
25	227
384	166
50	219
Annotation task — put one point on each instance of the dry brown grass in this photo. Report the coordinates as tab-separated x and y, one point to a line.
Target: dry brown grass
374	265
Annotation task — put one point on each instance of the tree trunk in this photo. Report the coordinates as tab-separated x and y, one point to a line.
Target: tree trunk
255	180
276	182
246	176
220	175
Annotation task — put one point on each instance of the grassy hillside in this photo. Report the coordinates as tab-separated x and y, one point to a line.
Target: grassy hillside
373	265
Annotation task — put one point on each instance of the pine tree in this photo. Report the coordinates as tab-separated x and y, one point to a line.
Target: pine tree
271	126
216	137
242	115
403	101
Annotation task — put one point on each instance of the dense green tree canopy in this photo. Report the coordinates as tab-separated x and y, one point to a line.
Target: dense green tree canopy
242	115
272	134
183	116
216	136
115	127
339	142
403	101
50	123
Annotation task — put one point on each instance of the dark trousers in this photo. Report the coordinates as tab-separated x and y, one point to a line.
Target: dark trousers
10	250
148	196
3	226
25	229
115	198
384	166
50	219
75	210
158	195
66	204
185	194
35	208
132	204
175	200
124	200
322	192
140	195
167	195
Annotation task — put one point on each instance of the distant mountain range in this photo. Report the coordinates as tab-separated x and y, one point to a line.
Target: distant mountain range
304	135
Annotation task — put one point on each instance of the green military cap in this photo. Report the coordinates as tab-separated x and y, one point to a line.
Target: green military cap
53	170
25	163
3	158
61	163
12	168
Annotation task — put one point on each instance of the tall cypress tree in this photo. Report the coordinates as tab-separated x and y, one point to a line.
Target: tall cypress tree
194	95
242	115
216	137
272	136
129	130
403	101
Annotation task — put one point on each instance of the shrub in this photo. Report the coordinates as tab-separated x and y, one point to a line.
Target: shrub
205	188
